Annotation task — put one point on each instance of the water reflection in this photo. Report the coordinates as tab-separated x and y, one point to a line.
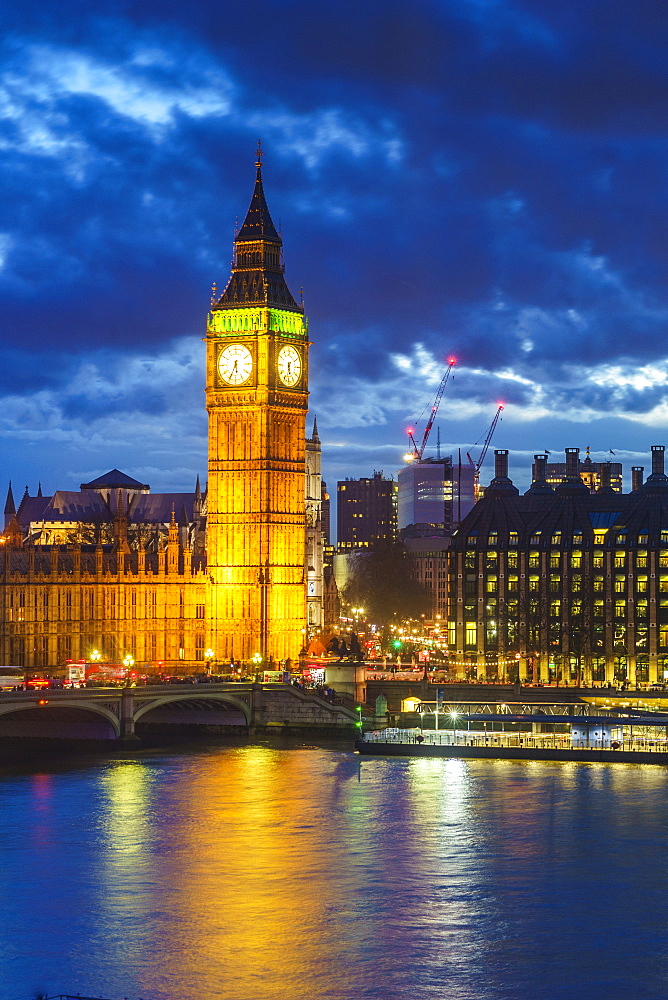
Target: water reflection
252	886
266	872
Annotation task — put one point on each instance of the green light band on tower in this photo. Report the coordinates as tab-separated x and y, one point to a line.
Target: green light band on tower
235	321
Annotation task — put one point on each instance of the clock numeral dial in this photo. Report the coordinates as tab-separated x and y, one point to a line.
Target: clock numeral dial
235	364
289	365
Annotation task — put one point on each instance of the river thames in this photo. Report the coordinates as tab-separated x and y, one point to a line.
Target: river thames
267	871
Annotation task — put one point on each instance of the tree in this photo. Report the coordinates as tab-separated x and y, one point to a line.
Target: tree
382	581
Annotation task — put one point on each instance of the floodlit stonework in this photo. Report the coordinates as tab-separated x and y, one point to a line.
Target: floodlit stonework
178	582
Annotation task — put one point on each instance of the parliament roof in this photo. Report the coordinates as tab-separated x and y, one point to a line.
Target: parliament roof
31	509
156	508
70	505
115	480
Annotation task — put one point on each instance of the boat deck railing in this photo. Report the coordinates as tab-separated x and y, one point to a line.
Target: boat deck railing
555	741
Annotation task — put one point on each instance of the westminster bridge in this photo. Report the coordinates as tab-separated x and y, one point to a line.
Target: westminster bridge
124	713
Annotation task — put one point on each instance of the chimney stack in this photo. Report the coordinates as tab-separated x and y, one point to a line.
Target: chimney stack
637	476
572	463
539	468
657	459
501	463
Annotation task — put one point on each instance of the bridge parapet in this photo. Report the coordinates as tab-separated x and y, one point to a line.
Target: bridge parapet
245	706
279	705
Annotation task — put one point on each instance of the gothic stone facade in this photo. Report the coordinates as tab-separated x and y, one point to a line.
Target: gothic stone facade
257	398
104	569
59	602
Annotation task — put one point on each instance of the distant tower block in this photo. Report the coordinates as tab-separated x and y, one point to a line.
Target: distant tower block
256	396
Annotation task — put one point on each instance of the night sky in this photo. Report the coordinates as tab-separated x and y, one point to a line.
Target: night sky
485	178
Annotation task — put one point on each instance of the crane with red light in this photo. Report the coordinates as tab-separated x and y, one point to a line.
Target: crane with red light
488	440
415	454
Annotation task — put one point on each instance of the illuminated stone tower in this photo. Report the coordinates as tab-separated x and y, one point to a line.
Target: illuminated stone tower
256	396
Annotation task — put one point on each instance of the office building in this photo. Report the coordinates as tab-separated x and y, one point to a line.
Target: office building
366	512
562	583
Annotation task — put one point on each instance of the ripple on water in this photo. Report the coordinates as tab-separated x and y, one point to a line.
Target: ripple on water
262	872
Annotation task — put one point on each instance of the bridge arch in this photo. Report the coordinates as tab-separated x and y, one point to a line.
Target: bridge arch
87	706
227	699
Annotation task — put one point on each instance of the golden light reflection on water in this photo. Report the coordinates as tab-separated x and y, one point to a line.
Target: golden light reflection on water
126	819
126	830
250	877
257	873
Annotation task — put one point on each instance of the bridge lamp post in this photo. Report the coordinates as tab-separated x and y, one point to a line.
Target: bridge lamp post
128	663
94	657
209	656
256	660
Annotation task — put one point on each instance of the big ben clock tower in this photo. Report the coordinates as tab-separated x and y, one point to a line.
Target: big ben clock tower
256	396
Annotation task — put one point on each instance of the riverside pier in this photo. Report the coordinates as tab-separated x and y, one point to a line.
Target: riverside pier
638	738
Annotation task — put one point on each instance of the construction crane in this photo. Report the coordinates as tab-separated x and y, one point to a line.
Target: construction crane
415	454
488	440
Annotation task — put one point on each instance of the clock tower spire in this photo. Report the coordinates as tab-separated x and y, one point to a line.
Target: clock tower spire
257	397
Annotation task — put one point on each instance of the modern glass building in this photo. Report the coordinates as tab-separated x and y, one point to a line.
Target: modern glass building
435	491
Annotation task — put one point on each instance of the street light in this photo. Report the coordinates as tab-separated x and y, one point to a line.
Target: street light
209	656
95	656
129	662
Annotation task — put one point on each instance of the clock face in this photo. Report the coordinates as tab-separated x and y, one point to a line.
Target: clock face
235	364
289	365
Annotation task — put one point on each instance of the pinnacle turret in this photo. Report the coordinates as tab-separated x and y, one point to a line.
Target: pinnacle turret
10	507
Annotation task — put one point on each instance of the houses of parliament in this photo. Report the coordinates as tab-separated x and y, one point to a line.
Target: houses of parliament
174	580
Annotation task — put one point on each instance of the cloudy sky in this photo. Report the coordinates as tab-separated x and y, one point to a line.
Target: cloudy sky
486	178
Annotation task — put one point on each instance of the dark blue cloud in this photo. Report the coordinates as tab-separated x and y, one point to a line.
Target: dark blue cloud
485	178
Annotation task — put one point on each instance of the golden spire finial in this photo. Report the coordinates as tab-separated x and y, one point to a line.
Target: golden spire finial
259	154
214	289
